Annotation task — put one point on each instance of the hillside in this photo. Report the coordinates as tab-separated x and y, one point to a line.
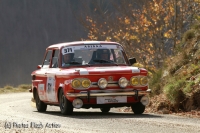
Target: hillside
176	86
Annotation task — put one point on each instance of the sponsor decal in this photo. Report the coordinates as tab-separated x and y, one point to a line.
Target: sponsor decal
50	89
41	91
67	81
92	46
71	49
41	87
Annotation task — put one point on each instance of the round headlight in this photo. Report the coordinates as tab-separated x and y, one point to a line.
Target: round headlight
76	83
86	83
145	100
77	103
102	83
134	81
123	82
143	81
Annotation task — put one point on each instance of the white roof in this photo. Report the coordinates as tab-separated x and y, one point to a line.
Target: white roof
59	45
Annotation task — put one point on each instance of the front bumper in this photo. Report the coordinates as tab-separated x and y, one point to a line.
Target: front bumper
111	93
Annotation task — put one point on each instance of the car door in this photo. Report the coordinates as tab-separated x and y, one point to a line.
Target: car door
51	89
42	76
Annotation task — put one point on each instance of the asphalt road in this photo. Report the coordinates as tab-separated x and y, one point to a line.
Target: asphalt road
17	115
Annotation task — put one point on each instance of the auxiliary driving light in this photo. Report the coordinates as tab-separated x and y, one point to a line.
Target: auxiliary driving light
134	81
102	83
77	103
145	100
123	82
86	83
76	83
143	80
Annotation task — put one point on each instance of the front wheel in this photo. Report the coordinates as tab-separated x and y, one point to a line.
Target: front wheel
66	107
41	106
138	108
105	110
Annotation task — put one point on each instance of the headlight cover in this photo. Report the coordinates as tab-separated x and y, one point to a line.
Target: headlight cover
123	82
86	83
81	83
102	83
76	83
134	81
143	80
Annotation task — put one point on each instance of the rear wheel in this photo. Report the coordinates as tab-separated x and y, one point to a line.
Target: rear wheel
41	106
66	107
105	110
138	108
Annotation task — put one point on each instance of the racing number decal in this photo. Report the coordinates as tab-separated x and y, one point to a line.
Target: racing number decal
50	89
67	50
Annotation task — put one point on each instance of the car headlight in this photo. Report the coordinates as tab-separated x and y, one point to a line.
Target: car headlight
143	80
76	83
86	83
102	83
134	81
145	100
123	82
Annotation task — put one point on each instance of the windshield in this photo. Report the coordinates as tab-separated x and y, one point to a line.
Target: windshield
92	54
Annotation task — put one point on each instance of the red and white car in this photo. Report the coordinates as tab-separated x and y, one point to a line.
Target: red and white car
98	75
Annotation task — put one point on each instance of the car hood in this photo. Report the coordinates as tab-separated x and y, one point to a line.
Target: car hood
104	70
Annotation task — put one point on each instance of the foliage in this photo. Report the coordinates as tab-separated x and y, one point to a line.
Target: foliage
189	87
154	32
148	30
173	89
11	89
8	87
25	86
188	35
155	83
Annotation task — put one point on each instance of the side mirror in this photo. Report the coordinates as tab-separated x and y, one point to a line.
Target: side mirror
39	66
132	60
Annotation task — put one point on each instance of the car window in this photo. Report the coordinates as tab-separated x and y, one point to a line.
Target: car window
55	59
47	59
92	54
119	56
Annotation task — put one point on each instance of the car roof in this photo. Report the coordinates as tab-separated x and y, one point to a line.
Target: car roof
59	45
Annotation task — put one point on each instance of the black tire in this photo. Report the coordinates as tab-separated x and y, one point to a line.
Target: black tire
41	106
138	108
105	110
66	107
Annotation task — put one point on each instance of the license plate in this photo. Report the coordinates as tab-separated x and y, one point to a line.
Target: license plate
112	99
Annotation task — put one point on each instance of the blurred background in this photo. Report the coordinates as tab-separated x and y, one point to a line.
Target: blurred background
27	27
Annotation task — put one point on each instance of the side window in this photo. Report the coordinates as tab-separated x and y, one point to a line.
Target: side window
47	60
55	59
119	56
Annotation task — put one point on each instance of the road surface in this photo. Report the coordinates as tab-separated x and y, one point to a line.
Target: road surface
17	115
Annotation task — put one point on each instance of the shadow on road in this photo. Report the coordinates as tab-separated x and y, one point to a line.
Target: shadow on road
100	115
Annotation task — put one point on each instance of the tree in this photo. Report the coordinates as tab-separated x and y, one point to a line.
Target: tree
148	30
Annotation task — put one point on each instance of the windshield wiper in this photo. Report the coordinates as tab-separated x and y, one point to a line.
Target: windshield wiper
104	61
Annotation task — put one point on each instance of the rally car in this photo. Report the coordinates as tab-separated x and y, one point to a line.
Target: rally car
89	74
